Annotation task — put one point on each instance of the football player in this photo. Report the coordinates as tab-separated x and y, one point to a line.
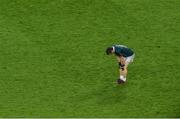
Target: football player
124	56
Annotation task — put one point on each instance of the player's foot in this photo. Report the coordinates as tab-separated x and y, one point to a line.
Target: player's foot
120	81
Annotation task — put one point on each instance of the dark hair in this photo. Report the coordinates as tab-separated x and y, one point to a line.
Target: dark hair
109	50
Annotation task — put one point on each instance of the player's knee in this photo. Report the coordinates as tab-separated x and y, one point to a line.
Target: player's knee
121	66
125	67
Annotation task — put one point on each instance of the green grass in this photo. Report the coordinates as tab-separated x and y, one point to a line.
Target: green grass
53	62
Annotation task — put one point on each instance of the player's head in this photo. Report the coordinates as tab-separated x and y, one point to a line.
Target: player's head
109	50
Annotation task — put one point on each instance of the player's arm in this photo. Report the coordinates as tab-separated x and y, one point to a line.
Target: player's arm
121	61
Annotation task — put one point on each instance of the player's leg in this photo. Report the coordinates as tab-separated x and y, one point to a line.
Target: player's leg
122	69
123	72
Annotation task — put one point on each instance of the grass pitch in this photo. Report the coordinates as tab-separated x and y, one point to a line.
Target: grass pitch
53	62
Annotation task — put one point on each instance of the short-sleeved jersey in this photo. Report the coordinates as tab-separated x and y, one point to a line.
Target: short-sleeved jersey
121	50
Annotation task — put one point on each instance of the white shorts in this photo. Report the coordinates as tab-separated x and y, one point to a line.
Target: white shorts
130	59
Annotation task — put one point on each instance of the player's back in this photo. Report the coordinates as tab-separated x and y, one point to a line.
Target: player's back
123	50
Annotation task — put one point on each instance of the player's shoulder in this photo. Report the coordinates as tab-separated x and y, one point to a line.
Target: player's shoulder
120	46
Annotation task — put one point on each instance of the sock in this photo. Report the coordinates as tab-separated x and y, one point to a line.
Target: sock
122	78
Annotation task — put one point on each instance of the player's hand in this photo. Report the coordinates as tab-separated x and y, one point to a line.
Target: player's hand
121	66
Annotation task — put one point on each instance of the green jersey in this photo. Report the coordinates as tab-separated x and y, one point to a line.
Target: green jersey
121	50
